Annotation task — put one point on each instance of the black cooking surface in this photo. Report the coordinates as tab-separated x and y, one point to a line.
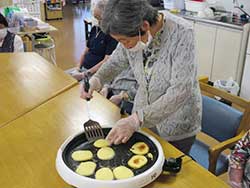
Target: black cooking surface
122	152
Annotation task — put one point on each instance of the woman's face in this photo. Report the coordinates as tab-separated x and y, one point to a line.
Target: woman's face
2	26
97	14
3	32
129	42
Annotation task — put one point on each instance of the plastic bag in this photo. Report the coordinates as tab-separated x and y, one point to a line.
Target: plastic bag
10	10
229	85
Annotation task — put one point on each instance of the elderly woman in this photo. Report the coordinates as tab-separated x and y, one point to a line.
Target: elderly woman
123	87
159	47
239	163
99	46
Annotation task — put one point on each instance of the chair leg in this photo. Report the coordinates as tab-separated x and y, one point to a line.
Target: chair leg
212	162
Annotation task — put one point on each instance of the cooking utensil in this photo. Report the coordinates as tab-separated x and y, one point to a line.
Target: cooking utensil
66	166
93	129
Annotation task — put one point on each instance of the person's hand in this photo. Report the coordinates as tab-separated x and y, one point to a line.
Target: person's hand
104	92
95	85
235	177
63	2
236	185
124	129
78	75
79	68
116	99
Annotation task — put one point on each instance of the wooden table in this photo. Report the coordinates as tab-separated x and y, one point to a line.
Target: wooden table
27	37
29	145
192	175
26	81
42	27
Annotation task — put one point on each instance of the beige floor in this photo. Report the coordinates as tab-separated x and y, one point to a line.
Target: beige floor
70	37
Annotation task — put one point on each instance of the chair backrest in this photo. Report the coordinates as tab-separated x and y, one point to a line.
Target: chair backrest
87	26
219	120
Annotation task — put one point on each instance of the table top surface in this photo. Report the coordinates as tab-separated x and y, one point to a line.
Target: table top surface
30	143
41	28
192	175
26	81
48	29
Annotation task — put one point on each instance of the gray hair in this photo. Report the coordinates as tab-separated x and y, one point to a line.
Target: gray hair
100	4
125	17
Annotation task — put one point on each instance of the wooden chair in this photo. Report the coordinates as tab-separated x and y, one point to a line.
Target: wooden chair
203	79
222	126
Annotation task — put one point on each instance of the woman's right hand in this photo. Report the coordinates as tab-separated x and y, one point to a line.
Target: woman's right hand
104	92
78	76
95	85
84	94
124	129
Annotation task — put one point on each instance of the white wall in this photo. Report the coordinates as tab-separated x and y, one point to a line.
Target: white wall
228	4
5	3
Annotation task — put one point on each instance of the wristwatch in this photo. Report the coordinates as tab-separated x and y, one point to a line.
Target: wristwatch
88	73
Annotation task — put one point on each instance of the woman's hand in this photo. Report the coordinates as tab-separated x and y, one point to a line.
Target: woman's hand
116	99
79	75
124	129
235	177
95	85
104	92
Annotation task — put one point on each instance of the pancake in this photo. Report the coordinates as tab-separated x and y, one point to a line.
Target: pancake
105	153
122	172
100	143
104	174
140	148
82	155
137	161
150	156
86	168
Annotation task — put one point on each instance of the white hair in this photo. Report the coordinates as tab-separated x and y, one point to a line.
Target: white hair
100	4
125	17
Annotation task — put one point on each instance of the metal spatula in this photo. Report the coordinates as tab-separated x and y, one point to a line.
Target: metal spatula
93	129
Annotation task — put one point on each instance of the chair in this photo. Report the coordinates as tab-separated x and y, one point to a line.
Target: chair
44	45
221	123
156	3
88	26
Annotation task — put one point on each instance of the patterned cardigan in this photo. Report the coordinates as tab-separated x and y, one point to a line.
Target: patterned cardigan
171	100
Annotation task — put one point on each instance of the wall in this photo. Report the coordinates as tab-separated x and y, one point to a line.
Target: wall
5	3
228	4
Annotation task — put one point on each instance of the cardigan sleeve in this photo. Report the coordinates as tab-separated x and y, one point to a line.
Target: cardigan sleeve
116	63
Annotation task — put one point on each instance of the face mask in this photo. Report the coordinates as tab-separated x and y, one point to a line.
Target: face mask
95	22
141	45
3	33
